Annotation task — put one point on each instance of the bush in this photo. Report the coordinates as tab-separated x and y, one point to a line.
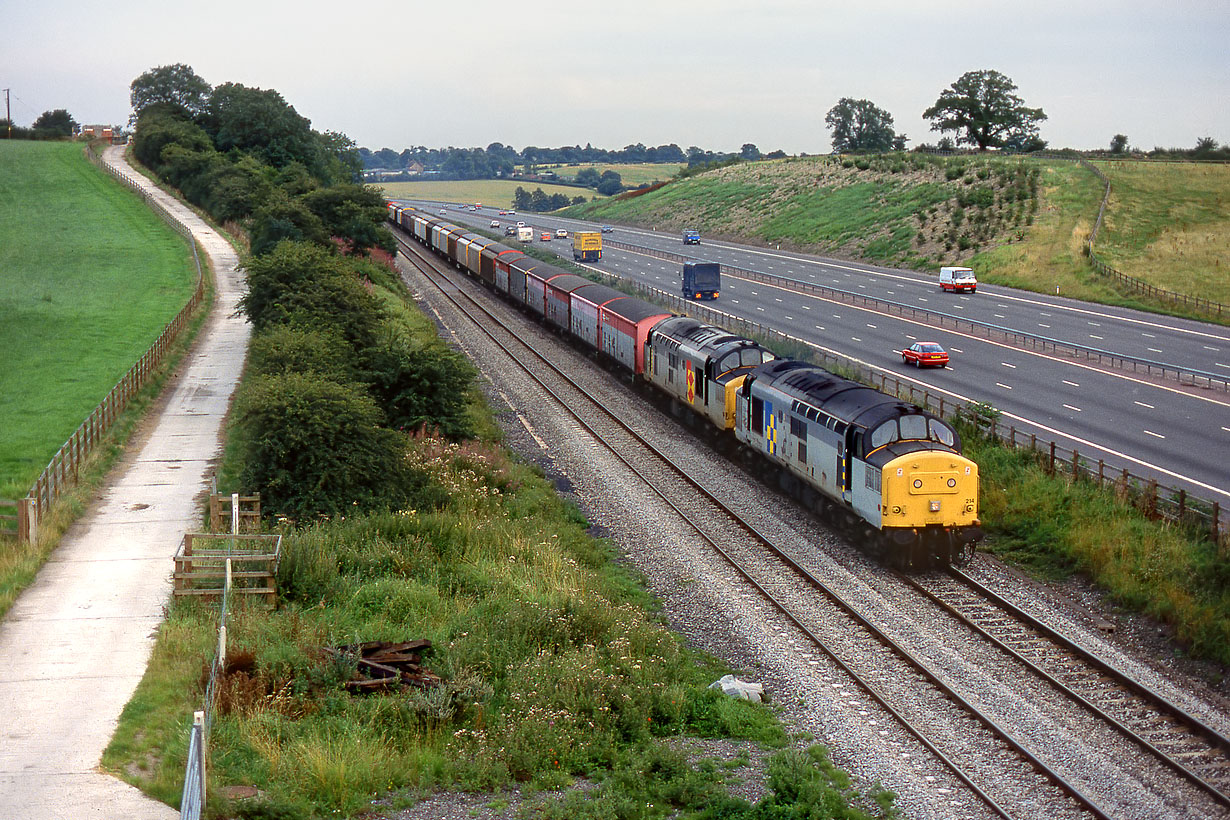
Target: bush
316	447
420	386
302	284
285	349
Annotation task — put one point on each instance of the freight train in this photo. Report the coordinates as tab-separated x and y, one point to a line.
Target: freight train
886	472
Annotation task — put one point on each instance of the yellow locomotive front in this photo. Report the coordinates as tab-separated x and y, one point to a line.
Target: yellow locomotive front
929	506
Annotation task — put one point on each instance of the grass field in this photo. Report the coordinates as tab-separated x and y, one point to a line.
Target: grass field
490	192
89	276
1169	224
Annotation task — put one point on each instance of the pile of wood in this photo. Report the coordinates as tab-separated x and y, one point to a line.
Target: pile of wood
385	667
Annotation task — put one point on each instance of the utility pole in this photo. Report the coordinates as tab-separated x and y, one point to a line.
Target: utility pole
8	113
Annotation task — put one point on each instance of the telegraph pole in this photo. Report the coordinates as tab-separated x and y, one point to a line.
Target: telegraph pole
8	113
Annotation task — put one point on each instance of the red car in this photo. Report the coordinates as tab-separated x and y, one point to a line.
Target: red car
545	237
925	354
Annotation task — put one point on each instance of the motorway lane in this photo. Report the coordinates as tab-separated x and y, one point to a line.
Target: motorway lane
1195	345
1152	429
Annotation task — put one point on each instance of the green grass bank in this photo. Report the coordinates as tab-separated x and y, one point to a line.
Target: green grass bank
89	276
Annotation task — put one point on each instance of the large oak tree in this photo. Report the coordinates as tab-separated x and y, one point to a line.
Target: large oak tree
983	110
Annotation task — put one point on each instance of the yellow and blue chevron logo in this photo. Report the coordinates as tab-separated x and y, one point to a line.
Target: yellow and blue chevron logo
770	431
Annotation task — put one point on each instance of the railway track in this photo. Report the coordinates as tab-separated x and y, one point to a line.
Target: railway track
1194	750
1000	770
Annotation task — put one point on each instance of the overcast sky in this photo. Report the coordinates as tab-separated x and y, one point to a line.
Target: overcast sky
715	73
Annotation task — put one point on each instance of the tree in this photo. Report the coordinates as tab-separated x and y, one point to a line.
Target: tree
176	86
1205	146
610	183
749	152
260	122
860	125
1118	143
982	108
58	123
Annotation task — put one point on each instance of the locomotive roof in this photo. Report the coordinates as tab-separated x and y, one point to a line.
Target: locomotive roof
697	332
841	398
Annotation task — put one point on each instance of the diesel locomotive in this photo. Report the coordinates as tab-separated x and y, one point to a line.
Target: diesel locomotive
885	471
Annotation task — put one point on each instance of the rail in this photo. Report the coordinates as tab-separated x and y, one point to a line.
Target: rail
63	471
946	321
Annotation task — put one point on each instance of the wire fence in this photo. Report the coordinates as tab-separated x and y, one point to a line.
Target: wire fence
1192	303
63	471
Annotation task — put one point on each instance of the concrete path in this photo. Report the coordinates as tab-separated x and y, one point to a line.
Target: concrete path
76	643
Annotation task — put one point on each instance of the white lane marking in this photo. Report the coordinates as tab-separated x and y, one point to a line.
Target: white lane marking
1001	384
1155	435
1093	336
1005	364
1096	324
1142	404
911	338
956	350
855	339
999	316
806	307
873	327
1227	429
1214	349
819	328
1149	335
789	318
1070	384
1070	407
1155	350
1042	325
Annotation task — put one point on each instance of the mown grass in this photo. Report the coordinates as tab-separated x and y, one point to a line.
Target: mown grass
1169	224
89	276
1057	527
497	193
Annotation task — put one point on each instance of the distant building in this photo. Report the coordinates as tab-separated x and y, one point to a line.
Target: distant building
104	132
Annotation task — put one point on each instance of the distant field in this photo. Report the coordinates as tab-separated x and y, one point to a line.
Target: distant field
497	192
1169	224
632	175
88	279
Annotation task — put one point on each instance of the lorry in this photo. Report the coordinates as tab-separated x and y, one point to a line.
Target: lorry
525	234
701	280
586	246
691	237
958	279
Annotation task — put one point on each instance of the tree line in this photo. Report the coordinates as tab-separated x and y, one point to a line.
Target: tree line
248	158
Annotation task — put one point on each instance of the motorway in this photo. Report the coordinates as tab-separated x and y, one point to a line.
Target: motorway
1179	435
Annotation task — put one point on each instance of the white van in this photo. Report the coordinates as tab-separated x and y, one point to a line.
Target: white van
958	280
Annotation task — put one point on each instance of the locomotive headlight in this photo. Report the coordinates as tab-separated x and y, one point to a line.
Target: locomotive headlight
935	506
969	507
918	483
896	511
952	482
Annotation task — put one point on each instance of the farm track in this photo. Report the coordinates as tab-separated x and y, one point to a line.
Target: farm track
1009	779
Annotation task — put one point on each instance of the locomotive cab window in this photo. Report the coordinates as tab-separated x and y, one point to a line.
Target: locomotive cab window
886	433
942	433
913	427
798	429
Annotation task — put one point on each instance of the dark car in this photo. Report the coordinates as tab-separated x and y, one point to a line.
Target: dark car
925	354
607	229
